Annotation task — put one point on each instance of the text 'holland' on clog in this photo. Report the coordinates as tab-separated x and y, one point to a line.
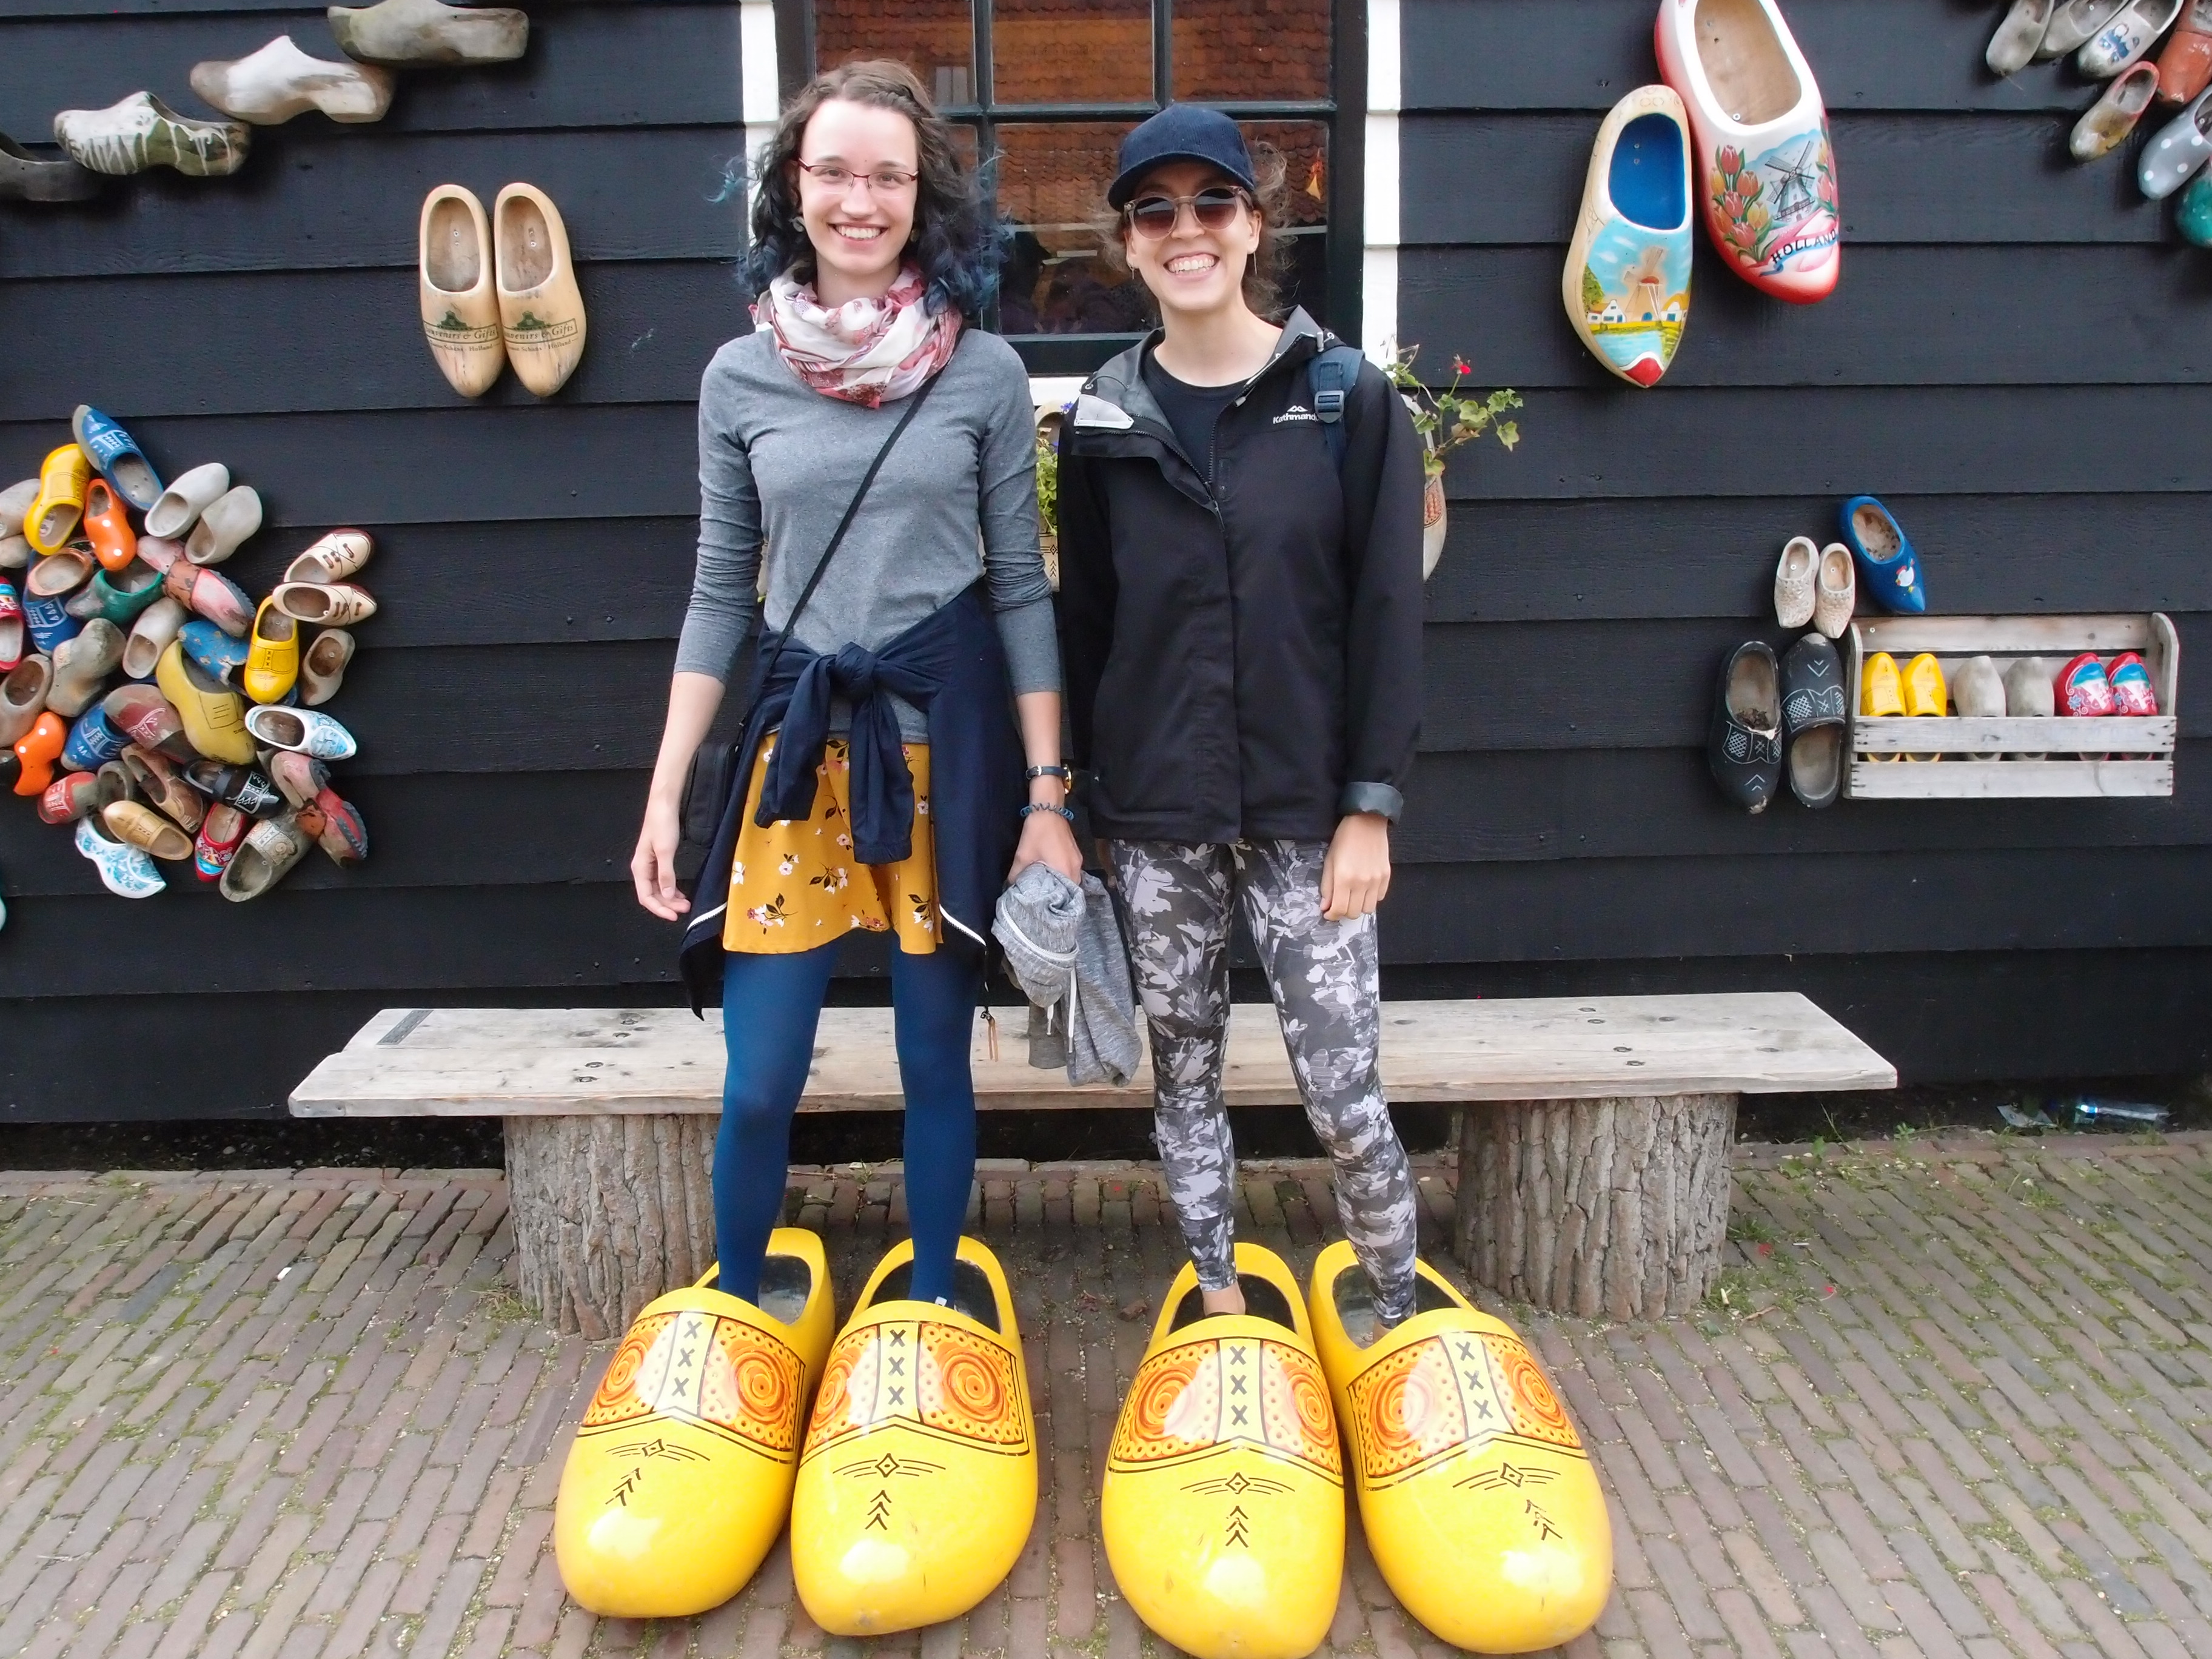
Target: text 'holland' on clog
1765	168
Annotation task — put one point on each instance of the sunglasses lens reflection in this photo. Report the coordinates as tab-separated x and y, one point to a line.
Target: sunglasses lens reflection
1154	217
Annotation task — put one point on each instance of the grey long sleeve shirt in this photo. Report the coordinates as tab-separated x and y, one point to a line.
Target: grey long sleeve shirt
778	465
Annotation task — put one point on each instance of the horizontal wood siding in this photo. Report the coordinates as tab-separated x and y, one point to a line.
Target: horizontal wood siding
2014	361
532	556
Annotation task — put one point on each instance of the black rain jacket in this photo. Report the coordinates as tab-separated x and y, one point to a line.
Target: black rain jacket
1242	661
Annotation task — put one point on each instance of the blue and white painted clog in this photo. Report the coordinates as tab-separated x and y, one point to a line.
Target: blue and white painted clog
1888	568
124	871
119	458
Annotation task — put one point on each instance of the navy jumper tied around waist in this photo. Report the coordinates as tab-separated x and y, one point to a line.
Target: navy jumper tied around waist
951	667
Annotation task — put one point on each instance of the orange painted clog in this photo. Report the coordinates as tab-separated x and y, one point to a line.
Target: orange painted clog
107	527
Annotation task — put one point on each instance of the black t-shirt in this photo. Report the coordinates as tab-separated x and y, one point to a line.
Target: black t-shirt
1191	411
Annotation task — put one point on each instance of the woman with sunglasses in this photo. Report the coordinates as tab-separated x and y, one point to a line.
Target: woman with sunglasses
871	258
1241	621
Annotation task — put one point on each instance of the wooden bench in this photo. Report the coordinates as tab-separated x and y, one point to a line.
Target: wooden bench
1596	1181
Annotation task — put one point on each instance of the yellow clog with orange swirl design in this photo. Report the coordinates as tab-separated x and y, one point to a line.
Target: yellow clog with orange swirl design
681	1475
1222	1512
1480	1503
919	1484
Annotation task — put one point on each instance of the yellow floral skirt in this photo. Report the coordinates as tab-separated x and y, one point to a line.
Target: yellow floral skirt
795	885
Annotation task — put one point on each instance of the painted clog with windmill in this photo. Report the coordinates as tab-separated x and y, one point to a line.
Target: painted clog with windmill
1766	170
1626	284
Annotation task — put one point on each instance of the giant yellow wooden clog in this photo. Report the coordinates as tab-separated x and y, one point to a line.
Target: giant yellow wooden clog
1481	1505
1222	1512
919	1483
682	1472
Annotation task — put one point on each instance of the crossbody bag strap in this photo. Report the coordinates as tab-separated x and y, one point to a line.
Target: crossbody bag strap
837	536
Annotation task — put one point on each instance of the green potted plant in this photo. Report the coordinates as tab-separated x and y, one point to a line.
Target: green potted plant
1446	419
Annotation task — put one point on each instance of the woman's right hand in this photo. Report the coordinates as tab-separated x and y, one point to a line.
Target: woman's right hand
652	866
692	701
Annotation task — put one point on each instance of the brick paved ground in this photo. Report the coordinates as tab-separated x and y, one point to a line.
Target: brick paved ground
296	1416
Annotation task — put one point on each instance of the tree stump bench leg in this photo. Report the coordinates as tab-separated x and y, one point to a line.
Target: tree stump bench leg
610	1211
1616	1206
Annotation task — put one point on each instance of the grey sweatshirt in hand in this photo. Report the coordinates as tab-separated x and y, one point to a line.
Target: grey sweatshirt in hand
778	465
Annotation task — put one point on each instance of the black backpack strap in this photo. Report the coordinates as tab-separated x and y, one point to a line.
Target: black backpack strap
1332	375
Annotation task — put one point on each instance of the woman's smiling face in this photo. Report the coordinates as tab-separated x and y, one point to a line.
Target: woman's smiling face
859	232
1191	269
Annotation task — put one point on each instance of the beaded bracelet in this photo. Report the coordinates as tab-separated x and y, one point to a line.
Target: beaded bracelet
1044	806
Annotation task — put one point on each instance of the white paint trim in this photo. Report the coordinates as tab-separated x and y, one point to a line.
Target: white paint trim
1378	265
757	72
1053	391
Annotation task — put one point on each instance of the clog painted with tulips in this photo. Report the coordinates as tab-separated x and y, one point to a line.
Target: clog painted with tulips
1766	171
919	1483
680	1477
1223	1507
1626	284
2083	688
1478	1499
1888	567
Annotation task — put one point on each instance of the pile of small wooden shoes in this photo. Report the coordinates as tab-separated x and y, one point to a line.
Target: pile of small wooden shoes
212	750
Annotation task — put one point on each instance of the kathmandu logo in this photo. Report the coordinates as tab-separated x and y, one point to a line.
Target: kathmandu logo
1295	412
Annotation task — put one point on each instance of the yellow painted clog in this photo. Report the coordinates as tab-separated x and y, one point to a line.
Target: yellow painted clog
1925	692
681	1475
1222	1512
54	515
1480	1505
919	1483
1881	692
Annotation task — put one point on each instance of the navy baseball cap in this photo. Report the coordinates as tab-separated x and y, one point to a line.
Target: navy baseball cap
1181	132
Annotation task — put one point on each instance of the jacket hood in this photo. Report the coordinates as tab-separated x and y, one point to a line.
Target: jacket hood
1115	398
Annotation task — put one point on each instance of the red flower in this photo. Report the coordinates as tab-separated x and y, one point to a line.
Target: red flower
1729	161
1460	365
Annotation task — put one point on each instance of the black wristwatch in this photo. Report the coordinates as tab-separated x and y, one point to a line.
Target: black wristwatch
1061	772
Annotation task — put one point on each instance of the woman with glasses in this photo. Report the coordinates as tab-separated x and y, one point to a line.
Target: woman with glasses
867	467
1241	616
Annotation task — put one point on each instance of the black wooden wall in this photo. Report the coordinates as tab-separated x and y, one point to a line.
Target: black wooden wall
532	556
2016	359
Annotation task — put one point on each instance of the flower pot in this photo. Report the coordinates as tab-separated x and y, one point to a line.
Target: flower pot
1434	521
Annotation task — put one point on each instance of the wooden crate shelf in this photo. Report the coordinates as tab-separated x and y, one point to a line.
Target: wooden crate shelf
2136	753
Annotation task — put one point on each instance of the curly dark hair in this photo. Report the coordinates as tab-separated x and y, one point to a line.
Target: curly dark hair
1269	266
953	241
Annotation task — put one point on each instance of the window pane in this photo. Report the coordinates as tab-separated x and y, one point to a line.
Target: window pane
1251	50
1071	51
1052	188
1302	148
935	37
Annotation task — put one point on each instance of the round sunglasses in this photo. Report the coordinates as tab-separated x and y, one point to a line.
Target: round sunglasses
1214	208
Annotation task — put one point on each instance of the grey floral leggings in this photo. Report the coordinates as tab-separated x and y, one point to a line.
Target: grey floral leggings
1324	978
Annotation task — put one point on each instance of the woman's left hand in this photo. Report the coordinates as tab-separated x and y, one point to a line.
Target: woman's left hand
1047	838
1355	877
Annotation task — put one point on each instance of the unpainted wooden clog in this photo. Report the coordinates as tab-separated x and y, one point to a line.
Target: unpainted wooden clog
918	1486
541	311
2072	23
269	850
332	558
1794	575
189	495
1977	693
322	667
1627	283
1836	594
272	85
420	33
227	521
1223	1507
459	293
2013	46
1480	1503
681	1475
1764	168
